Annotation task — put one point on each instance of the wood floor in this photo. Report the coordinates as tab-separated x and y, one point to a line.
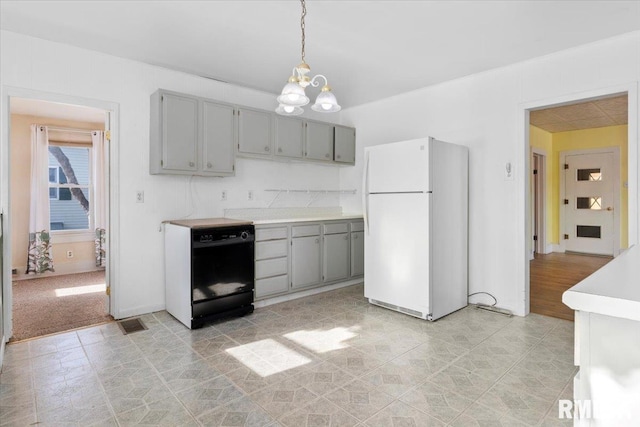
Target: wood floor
554	273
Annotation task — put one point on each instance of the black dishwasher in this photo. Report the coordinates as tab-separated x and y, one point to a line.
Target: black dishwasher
222	272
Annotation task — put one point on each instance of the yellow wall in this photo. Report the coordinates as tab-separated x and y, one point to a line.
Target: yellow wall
83	252
611	136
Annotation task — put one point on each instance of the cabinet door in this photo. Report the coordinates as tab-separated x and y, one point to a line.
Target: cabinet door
357	253
218	154
305	261
254	132
345	144
289	137
319	141
336	257
179	132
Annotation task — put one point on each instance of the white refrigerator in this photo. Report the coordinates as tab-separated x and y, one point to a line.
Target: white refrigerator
416	227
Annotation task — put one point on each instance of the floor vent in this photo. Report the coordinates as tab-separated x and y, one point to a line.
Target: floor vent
130	326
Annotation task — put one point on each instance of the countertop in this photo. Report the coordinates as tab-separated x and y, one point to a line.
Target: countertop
345	217
209	222
614	290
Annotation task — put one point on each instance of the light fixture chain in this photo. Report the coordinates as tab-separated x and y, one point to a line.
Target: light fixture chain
304	13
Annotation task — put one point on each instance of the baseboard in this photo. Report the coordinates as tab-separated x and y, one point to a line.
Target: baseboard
557	248
548	248
302	294
138	311
3	346
61	269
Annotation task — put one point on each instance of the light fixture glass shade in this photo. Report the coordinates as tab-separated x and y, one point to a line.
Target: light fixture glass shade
289	110
326	102
293	95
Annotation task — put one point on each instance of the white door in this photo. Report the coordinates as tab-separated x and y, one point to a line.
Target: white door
397	250
590	199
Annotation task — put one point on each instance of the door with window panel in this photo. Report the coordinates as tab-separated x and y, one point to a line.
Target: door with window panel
590	185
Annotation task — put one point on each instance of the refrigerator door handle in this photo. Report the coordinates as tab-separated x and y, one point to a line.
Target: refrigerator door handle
365	192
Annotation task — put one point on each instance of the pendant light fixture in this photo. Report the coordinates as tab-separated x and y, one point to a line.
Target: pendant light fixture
293	97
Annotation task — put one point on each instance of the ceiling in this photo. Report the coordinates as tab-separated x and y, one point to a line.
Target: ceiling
585	115
368	50
54	110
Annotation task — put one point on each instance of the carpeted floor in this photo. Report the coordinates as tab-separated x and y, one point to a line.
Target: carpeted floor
58	303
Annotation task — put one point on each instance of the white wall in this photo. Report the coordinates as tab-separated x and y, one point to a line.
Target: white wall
484	112
41	65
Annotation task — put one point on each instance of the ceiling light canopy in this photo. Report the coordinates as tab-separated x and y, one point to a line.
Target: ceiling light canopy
293	97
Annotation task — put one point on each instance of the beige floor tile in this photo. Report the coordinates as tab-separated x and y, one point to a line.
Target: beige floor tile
436	401
480	416
517	403
283	397
323	378
240	412
359	399
319	413
400	414
209	395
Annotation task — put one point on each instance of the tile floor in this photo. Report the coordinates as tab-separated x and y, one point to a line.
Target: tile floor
327	360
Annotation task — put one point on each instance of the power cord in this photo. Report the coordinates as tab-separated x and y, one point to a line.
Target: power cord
495	301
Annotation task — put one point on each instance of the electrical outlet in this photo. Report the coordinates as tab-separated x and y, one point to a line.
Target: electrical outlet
223	195
250	195
508	171
139	196
69	254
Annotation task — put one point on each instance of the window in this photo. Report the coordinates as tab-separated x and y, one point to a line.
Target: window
53	179
70	187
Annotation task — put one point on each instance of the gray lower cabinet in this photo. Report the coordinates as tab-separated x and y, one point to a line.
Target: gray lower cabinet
357	253
305	261
272	261
254	132
319	141
336	257
302	255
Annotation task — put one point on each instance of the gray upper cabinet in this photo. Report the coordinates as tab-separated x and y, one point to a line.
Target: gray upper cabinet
218	136
289	137
344	145
191	136
319	141
174	133
254	132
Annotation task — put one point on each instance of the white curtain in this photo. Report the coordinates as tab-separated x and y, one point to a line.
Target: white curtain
100	196
39	238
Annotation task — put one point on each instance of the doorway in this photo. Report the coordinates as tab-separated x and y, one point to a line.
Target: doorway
59	188
588	166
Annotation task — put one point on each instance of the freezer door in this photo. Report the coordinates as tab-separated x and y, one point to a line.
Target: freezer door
397	167
397	251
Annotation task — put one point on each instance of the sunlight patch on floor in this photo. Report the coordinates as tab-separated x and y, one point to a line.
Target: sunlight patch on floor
80	290
320	341
267	357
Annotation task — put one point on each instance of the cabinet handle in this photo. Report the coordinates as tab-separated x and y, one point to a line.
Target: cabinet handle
266	149
209	165
192	164
279	150
327	155
317	240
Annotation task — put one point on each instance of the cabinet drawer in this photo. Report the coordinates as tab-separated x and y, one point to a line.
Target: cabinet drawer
271	267
357	226
271	249
271	233
305	230
341	227
272	285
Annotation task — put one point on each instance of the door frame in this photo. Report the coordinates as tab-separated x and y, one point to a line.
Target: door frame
112	244
541	196
616	192
523	172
